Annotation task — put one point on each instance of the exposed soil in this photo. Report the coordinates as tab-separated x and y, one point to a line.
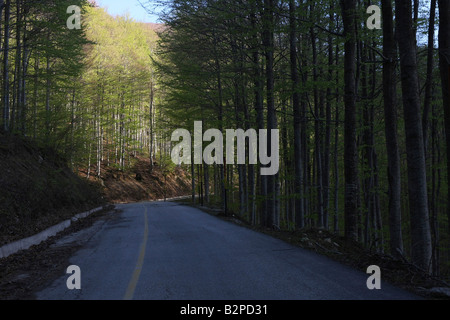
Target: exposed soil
38	190
140	183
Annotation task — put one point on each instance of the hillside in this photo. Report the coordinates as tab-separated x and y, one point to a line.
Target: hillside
38	190
139	184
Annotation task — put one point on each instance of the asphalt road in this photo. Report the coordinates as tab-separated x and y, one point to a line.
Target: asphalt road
166	251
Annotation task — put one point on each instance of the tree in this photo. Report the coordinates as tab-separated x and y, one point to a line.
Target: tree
350	153
444	66
291	65
417	181
429	78
268	42
390	119
6	108
298	166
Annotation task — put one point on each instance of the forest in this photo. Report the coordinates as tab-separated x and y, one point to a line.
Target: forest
363	112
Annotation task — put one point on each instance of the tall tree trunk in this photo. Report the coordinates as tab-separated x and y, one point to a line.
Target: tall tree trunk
367	166
429	81
298	166
35	96
23	97
238	110
47	99
287	165
222	168
258	92
17	90
327	142
250	171
317	129
336	144
444	65
350	152
376	193
270	219
417	181
2	6
390	114
151	113
435	186
72	126
390	120
6	67
415	18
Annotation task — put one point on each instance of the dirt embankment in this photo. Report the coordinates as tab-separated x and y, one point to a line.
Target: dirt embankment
140	183
38	190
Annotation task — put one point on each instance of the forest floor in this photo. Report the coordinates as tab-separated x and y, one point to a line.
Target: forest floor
400	273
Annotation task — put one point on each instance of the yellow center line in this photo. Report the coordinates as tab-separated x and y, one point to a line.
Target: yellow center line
137	271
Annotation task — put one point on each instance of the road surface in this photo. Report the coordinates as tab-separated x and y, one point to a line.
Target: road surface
167	251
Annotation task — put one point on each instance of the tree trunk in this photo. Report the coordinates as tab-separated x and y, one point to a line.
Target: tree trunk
222	168
336	144
2	6
258	92
444	64
6	67
417	181
47	100
367	165
327	142
429	81
435	187
298	166
151	112
35	96
390	120
23	97
17	83
317	130
268	41
350	150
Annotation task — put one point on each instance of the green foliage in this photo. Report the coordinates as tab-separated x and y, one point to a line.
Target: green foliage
212	56
83	92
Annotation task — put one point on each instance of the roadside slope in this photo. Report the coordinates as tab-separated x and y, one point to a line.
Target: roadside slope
38	190
139	183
